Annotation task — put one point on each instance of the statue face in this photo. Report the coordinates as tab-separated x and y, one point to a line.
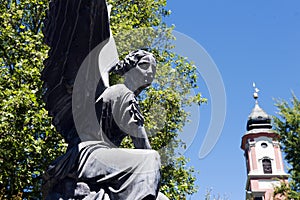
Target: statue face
143	74
146	67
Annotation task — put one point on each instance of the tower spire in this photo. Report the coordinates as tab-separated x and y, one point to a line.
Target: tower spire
255	94
258	118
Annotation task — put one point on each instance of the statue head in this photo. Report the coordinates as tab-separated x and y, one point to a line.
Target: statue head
138	68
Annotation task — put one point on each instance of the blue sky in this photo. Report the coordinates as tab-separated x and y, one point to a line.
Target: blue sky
249	41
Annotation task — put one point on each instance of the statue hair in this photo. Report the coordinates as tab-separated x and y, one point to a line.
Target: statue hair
131	60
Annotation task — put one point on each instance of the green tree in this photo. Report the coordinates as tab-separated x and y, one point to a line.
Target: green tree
28	140
288	127
285	190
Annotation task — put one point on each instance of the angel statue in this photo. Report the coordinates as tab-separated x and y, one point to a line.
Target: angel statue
92	116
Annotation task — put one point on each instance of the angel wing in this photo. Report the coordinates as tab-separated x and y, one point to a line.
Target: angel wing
73	29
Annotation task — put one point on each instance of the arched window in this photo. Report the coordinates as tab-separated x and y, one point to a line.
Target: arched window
267	166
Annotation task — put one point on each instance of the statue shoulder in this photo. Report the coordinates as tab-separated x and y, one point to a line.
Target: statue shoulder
115	92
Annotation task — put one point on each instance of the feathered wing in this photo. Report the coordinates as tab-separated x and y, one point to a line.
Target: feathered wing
73	28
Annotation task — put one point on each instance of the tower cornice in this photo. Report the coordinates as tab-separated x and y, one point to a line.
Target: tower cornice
250	136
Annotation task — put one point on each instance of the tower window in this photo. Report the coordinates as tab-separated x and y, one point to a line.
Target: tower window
267	166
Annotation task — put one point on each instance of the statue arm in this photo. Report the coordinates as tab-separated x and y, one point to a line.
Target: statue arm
141	141
131	121
137	132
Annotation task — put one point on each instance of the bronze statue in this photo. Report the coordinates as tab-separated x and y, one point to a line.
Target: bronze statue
93	166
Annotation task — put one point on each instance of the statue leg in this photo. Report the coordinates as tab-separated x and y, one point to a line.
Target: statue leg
129	174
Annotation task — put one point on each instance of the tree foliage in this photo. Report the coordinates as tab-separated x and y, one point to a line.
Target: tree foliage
28	140
288	127
284	190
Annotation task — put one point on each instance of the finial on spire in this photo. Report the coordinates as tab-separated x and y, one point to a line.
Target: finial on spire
255	94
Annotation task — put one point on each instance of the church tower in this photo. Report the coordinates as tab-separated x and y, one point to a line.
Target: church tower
263	155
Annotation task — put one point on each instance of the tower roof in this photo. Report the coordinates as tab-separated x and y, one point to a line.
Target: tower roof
258	119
